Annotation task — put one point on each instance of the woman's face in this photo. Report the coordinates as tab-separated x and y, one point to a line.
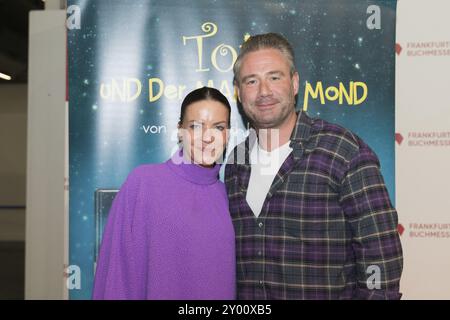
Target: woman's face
204	131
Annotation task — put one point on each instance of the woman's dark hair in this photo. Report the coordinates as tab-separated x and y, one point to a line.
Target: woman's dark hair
205	93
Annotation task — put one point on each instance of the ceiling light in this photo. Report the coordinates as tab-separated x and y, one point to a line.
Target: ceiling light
4	76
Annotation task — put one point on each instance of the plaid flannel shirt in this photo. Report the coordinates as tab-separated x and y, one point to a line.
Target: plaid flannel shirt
327	229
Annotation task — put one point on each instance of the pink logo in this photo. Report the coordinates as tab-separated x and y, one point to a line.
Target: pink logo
398	48
400	229
399	138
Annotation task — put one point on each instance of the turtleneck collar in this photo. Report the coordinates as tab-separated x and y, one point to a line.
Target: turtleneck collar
191	171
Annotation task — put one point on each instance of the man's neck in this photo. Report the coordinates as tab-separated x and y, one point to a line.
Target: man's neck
272	138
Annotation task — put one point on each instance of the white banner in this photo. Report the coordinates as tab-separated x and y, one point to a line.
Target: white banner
423	146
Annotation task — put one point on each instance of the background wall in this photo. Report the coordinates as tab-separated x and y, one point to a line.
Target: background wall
46	234
13	131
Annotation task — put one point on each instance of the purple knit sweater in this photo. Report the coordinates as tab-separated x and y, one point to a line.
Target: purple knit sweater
169	236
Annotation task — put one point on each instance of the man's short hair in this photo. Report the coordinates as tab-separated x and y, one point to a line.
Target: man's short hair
265	41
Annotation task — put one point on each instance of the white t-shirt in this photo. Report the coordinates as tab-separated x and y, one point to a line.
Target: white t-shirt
264	166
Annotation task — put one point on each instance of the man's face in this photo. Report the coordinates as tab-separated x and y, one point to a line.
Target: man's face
266	89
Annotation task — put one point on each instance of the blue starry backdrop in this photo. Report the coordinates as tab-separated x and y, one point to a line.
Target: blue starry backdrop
131	62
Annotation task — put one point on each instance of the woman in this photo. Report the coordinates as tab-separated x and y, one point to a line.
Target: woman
169	233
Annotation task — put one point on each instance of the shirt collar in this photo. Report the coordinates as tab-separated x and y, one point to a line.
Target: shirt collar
302	139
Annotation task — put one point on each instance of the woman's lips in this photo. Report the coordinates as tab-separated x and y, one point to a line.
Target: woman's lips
207	149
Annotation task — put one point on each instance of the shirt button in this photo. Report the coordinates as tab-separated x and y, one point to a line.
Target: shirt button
259	252
260	282
260	224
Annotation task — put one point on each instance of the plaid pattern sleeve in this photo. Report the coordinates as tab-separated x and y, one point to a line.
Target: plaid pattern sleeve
327	229
373	222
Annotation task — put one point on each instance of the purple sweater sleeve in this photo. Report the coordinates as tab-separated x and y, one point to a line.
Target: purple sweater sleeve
120	271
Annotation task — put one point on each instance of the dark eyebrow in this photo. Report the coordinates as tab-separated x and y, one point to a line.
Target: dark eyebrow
275	72
201	122
219	122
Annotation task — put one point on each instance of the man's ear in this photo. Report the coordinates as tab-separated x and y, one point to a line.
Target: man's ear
296	82
237	93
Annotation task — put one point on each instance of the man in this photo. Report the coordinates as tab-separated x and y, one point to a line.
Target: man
311	212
